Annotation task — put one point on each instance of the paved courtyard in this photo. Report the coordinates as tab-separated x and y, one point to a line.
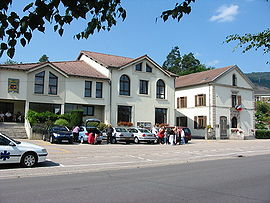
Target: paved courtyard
78	158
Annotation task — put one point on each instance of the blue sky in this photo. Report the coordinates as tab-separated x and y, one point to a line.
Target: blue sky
202	33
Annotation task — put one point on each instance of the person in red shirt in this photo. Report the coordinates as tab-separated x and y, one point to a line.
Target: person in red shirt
161	134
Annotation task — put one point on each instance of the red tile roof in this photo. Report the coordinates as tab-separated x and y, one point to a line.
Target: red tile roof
107	60
200	78
71	68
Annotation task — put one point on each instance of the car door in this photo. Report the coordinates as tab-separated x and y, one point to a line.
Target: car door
8	153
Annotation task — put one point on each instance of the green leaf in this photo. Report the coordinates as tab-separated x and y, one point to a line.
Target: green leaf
23	42
61	31
11	52
27	7
4	46
28	36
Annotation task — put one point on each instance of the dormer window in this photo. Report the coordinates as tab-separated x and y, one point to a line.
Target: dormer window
138	67
148	69
234	80
39	83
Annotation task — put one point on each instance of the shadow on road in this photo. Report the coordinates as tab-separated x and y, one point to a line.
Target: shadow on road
39	165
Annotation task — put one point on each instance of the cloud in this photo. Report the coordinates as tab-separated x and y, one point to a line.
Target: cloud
225	13
212	63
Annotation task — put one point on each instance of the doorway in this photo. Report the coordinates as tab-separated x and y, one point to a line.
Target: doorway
223	127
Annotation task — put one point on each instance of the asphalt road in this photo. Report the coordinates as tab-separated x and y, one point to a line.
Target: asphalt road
242	179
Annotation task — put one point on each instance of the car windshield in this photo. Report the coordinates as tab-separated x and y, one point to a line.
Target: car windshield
59	128
142	130
132	130
120	130
186	130
17	142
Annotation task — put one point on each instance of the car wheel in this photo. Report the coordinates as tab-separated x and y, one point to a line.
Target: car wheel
29	160
98	142
70	141
136	140
51	139
127	142
186	141
114	140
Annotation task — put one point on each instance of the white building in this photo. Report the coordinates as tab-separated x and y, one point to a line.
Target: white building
218	103
111	88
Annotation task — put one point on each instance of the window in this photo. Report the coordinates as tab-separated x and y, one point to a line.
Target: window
234	122
200	122
234	80
39	83
124	85
88	110
148	69
234	101
138	67
181	121
160	89
88	89
182	102
53	82
71	107
43	107
99	89
4	141
143	87
160	115
124	114
200	100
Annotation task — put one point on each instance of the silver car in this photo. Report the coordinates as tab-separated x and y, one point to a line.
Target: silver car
121	134
142	135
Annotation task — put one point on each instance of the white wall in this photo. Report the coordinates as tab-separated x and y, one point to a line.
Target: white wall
143	106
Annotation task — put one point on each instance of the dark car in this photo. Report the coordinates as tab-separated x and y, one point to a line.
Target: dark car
58	134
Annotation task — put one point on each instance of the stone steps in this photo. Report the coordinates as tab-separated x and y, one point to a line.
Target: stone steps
13	130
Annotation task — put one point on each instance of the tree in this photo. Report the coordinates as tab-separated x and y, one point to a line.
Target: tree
262	115
182	65
100	14
44	58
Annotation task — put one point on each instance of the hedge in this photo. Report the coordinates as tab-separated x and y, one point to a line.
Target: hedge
262	134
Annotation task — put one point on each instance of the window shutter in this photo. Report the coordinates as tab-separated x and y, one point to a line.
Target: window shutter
204	121
204	99
178	102
239	100
196	100
195	122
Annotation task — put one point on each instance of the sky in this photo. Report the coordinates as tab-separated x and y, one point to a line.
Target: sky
202	32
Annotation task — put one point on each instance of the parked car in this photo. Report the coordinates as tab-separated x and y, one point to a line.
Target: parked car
12	151
83	135
142	135
120	134
58	134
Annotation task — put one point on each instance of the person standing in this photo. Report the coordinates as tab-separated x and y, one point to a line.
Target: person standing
183	137
75	133
109	132
160	135
2	117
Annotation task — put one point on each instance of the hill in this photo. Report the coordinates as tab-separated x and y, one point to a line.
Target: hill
260	79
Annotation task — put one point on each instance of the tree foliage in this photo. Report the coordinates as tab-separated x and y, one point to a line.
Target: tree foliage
44	58
249	41
14	29
182	65
262	115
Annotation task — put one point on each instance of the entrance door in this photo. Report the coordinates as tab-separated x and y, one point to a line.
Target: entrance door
223	127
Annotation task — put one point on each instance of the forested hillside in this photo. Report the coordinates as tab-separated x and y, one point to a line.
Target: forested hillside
261	79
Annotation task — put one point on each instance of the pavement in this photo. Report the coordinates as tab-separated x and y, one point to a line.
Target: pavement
80	158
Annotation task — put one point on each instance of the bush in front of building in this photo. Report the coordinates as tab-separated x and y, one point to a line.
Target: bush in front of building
262	134
61	121
76	118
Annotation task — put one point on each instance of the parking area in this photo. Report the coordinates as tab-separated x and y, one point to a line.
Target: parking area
77	158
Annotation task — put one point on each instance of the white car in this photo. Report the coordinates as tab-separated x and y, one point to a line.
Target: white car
142	135
12	151
122	135
83	134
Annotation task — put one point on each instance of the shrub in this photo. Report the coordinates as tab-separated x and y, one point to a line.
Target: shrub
61	121
76	118
262	134
102	126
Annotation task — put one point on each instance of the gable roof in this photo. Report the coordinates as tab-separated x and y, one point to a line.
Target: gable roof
107	60
114	61
201	77
70	68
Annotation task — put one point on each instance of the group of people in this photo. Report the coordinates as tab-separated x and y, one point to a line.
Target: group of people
9	117
171	136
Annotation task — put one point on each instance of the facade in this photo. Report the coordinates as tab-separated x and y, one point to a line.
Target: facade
218	103
111	88
262	94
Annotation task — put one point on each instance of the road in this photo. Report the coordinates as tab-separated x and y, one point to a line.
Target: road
81	158
242	179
